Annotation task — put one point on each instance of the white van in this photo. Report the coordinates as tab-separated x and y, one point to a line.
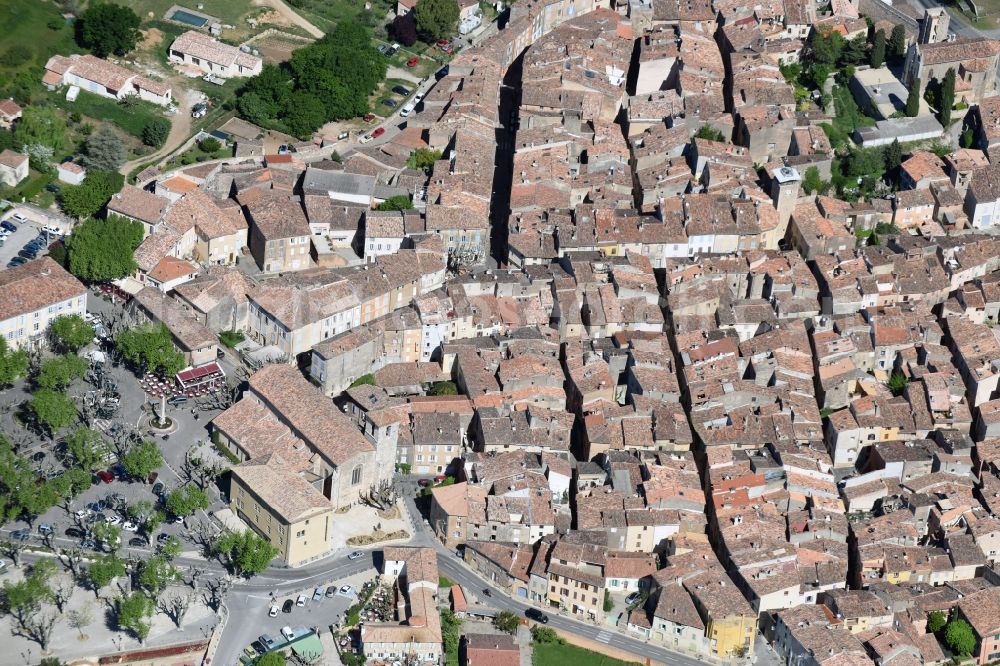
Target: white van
407	110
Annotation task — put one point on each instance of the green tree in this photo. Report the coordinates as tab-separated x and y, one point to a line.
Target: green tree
936	620
913	99
812	182
959	637
897	41
608	603
59	372
155	132
186	500
451	627
104	150
52	409
133	613
107	534
246	552
25	597
947	96
103	569
155	573
101	250
272	659
142	459
436	19
87	448
709	133
13	363
877	55
42	126
70	333
540	634
968	138
90	196
506	621
151	348
897	382
398	202
826	46
305	113
444	388
423	159
107	29
893	155
209	145
368	379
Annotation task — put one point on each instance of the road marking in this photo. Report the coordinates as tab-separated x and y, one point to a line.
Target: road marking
604	637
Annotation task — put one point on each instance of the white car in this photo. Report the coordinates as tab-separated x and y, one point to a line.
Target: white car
407	110
52	230
17	217
287	633
346	590
273	612
129	526
301	601
114	520
419	96
367	138
82	513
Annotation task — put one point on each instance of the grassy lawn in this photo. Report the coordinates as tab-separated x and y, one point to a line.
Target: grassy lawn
554	654
130	120
30	189
228	11
26	28
326	14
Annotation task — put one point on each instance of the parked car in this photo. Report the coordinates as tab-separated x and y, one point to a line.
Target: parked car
273	612
105	476
407	110
331	591
301	601
318	593
346	590
20	535
287	632
536	615
129	526
3	567
137	542
177	400
162	536
89	543
16	261
389	103
268	641
19	218
74	533
378	132
423	483
356	555
412	62
401	90
44	529
9	226
287	606
367	138
383	49
343	135
28	254
632	598
419	96
369	118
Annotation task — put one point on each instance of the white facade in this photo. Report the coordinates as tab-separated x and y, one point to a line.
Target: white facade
23	329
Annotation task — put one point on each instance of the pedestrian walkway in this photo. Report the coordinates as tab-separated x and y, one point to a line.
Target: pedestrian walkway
604	637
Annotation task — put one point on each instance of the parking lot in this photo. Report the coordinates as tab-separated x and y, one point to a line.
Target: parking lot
17	240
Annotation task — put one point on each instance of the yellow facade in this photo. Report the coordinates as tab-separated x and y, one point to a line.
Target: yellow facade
732	635
305	539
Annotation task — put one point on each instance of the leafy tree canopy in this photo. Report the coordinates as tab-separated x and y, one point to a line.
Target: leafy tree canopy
87	448
436	19
155	132
151	348
104	150
13	363
60	371
101	250
53	410
70	333
40	125
107	29
90	196
959	637
133	613
246	552
142	459
398	202
186	500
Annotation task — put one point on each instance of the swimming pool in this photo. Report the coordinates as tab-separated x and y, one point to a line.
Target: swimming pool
187	17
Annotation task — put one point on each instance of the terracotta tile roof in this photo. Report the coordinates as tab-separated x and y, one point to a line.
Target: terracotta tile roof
314	417
281	488
202	46
171	268
138	204
36	285
9	158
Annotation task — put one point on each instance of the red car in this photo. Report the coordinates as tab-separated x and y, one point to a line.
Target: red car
412	62
105	476
369	117
442	43
379	132
423	483
439	478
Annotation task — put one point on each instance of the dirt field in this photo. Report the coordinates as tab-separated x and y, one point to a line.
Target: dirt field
277	47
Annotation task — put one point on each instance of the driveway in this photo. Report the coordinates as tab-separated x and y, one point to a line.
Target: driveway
180	131
15	242
292	16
